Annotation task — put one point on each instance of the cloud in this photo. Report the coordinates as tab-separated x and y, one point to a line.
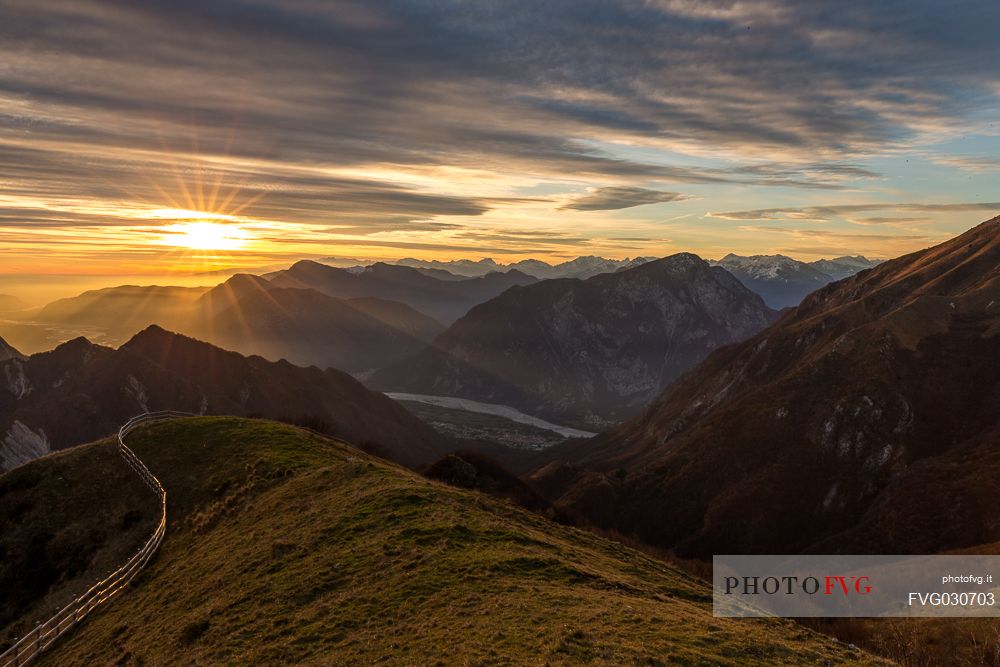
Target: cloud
885	220
968	162
825	213
107	106
356	82
612	198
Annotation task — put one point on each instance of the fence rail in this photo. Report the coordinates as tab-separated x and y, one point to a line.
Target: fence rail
45	634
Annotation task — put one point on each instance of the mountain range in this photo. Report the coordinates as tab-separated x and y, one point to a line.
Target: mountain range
765	268
863	421
581	267
587	352
81	391
783	282
385	311
249	314
443	300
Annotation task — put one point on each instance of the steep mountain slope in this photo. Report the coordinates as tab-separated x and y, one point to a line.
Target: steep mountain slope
867	419
399	317
309	328
122	311
79	392
781	281
585	352
8	352
250	315
839	268
443	300
317	554
228	294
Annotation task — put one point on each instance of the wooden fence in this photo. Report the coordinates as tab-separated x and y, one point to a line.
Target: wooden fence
46	634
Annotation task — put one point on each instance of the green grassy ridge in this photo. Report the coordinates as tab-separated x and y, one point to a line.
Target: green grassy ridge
284	547
65	522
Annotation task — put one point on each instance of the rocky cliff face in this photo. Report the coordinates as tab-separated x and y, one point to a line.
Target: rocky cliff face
865	419
586	352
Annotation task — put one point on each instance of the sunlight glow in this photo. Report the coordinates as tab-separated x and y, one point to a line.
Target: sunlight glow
204	235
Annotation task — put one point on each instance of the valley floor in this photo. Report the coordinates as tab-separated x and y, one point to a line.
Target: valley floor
504	411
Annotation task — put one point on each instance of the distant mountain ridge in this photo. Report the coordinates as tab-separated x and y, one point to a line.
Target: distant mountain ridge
356	319
863	421
780	280
443	300
252	315
581	267
843	267
585	352
589	266
10	303
80	391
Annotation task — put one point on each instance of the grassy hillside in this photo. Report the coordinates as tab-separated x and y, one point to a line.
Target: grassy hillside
63	525
285	547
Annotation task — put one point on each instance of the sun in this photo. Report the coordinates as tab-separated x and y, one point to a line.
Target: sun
205	235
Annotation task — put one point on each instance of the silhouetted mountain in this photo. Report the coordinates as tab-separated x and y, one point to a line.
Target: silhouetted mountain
121	312
781	281
866	419
79	392
250	315
444	300
312	329
228	294
586	352
8	352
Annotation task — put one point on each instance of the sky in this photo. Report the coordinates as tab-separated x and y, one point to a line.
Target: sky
171	137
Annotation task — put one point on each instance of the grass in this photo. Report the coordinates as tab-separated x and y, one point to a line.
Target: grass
285	547
64	524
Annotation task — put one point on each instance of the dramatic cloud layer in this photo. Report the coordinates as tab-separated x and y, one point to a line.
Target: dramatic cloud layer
609	199
827	213
365	126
